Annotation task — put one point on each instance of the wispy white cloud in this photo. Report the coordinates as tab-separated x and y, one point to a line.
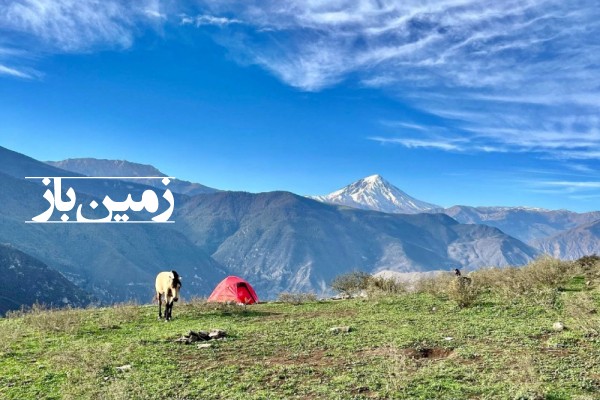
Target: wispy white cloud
407	125
200	20
508	76
574	185
4	70
412	143
31	28
154	13
575	189
581	168
456	42
75	25
585	196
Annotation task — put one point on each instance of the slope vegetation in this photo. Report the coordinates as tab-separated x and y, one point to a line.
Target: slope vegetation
26	280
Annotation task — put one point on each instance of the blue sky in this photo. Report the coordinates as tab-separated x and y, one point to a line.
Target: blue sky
455	102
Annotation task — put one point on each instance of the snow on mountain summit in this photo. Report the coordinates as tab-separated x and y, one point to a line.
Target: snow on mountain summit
375	193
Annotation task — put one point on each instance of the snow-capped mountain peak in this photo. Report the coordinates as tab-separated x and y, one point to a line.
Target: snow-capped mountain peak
373	179
375	193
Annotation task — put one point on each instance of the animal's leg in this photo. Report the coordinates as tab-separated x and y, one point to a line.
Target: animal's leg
159	305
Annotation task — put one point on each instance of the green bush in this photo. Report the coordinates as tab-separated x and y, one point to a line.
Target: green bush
436	285
542	277
352	283
385	286
548	272
589	267
463	290
507	282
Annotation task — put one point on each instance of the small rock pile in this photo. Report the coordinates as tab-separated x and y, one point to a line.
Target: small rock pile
202	336
340	329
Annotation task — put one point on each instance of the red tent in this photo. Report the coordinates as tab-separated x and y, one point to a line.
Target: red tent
234	289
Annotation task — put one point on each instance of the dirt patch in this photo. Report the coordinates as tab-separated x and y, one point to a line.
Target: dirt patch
231	357
317	358
432	353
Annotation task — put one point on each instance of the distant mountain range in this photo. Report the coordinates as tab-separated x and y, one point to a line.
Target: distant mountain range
98	167
577	242
375	193
277	240
529	225
26	280
535	226
284	242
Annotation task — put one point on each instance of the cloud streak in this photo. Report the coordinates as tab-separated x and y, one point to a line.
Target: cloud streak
575	189
4	70
200	20
412	143
34	28
74	25
510	75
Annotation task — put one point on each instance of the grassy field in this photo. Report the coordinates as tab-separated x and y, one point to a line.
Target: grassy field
406	346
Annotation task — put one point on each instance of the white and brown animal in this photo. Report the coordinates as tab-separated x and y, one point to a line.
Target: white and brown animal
168	284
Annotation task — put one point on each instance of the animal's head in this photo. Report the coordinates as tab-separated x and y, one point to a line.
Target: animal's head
175	284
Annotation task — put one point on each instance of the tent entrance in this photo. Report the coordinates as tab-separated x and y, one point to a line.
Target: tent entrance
244	295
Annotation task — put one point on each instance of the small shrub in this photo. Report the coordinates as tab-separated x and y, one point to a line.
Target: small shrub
589	267
539	280
351	284
588	261
464	291
385	286
507	282
548	272
436	285
296	298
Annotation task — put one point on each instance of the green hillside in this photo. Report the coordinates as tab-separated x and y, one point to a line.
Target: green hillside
405	346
